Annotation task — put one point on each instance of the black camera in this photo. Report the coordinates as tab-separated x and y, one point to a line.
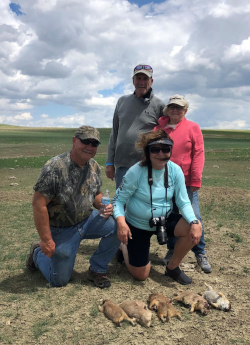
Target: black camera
161	233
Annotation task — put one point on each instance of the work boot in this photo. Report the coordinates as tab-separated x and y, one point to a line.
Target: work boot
29	261
100	279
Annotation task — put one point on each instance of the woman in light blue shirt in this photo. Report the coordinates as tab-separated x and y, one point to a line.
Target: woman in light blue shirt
147	200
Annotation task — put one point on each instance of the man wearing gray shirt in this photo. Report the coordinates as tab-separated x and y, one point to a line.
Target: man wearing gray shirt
134	114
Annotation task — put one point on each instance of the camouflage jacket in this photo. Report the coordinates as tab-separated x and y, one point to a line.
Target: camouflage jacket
70	188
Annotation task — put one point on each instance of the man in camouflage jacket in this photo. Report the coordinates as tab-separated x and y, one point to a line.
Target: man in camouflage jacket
66	191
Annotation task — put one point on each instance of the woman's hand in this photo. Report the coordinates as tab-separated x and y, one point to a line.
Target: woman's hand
195	233
123	231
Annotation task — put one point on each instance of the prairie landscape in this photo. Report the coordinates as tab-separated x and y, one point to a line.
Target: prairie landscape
32	312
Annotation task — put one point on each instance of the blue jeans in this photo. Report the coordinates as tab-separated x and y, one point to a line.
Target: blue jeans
120	172
200	247
58	269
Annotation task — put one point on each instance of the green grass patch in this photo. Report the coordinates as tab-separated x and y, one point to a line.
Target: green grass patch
40	328
235	236
24	162
26	135
222	209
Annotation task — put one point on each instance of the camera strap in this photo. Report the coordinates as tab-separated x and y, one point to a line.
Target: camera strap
150	182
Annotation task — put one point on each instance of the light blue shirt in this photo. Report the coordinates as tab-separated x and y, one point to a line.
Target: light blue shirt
134	191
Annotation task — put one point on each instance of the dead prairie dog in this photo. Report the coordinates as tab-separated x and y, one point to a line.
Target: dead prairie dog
195	301
166	311
115	313
216	299
139	310
156	298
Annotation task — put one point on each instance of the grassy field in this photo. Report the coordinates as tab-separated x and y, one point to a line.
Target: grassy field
31	312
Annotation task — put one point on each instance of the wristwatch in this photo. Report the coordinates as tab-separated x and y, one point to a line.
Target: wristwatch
194	222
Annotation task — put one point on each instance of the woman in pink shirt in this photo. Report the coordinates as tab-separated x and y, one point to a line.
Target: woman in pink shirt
188	153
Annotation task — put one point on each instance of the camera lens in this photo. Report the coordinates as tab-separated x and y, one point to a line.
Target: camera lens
161	235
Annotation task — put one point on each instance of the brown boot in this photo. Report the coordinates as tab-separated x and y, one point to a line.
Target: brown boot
100	279
29	261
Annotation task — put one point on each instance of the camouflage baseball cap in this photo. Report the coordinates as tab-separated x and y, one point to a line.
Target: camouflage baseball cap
88	132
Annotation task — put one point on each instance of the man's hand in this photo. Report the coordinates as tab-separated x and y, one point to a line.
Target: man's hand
123	231
108	210
195	233
41	218
110	172
48	247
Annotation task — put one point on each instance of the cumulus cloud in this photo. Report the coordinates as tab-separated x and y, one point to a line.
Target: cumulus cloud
23	117
81	54
236	124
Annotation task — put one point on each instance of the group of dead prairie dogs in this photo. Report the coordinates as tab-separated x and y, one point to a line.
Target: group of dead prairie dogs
138	311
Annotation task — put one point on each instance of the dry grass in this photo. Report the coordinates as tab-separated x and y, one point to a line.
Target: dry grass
31	312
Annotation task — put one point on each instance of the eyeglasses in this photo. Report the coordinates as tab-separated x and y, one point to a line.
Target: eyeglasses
146	67
94	143
177	107
164	149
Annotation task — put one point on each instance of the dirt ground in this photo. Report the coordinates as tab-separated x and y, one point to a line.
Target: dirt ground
34	313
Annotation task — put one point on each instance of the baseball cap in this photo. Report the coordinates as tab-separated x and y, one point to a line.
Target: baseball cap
162	142
87	132
143	68
178	99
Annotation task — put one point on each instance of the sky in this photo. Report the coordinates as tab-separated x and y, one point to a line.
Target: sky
65	63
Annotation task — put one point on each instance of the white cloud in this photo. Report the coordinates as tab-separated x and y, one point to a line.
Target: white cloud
175	50
236	51
232	125
80	55
101	101
6	105
23	117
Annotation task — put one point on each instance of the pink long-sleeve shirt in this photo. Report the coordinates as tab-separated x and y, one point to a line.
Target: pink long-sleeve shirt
188	148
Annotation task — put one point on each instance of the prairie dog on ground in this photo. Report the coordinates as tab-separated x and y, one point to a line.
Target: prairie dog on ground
139	310
115	313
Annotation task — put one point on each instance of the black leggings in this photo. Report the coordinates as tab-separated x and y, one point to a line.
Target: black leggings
138	247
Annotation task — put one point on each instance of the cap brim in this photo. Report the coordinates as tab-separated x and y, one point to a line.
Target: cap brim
148	73
161	142
180	103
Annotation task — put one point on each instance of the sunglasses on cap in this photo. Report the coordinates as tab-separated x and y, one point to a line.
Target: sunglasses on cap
164	149
94	143
146	67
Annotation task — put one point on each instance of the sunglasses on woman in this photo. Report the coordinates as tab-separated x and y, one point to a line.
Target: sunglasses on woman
177	107
94	143
164	149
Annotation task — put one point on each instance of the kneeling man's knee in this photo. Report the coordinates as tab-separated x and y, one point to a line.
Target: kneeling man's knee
60	281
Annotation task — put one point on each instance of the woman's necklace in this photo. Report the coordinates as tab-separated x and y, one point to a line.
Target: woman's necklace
158	179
